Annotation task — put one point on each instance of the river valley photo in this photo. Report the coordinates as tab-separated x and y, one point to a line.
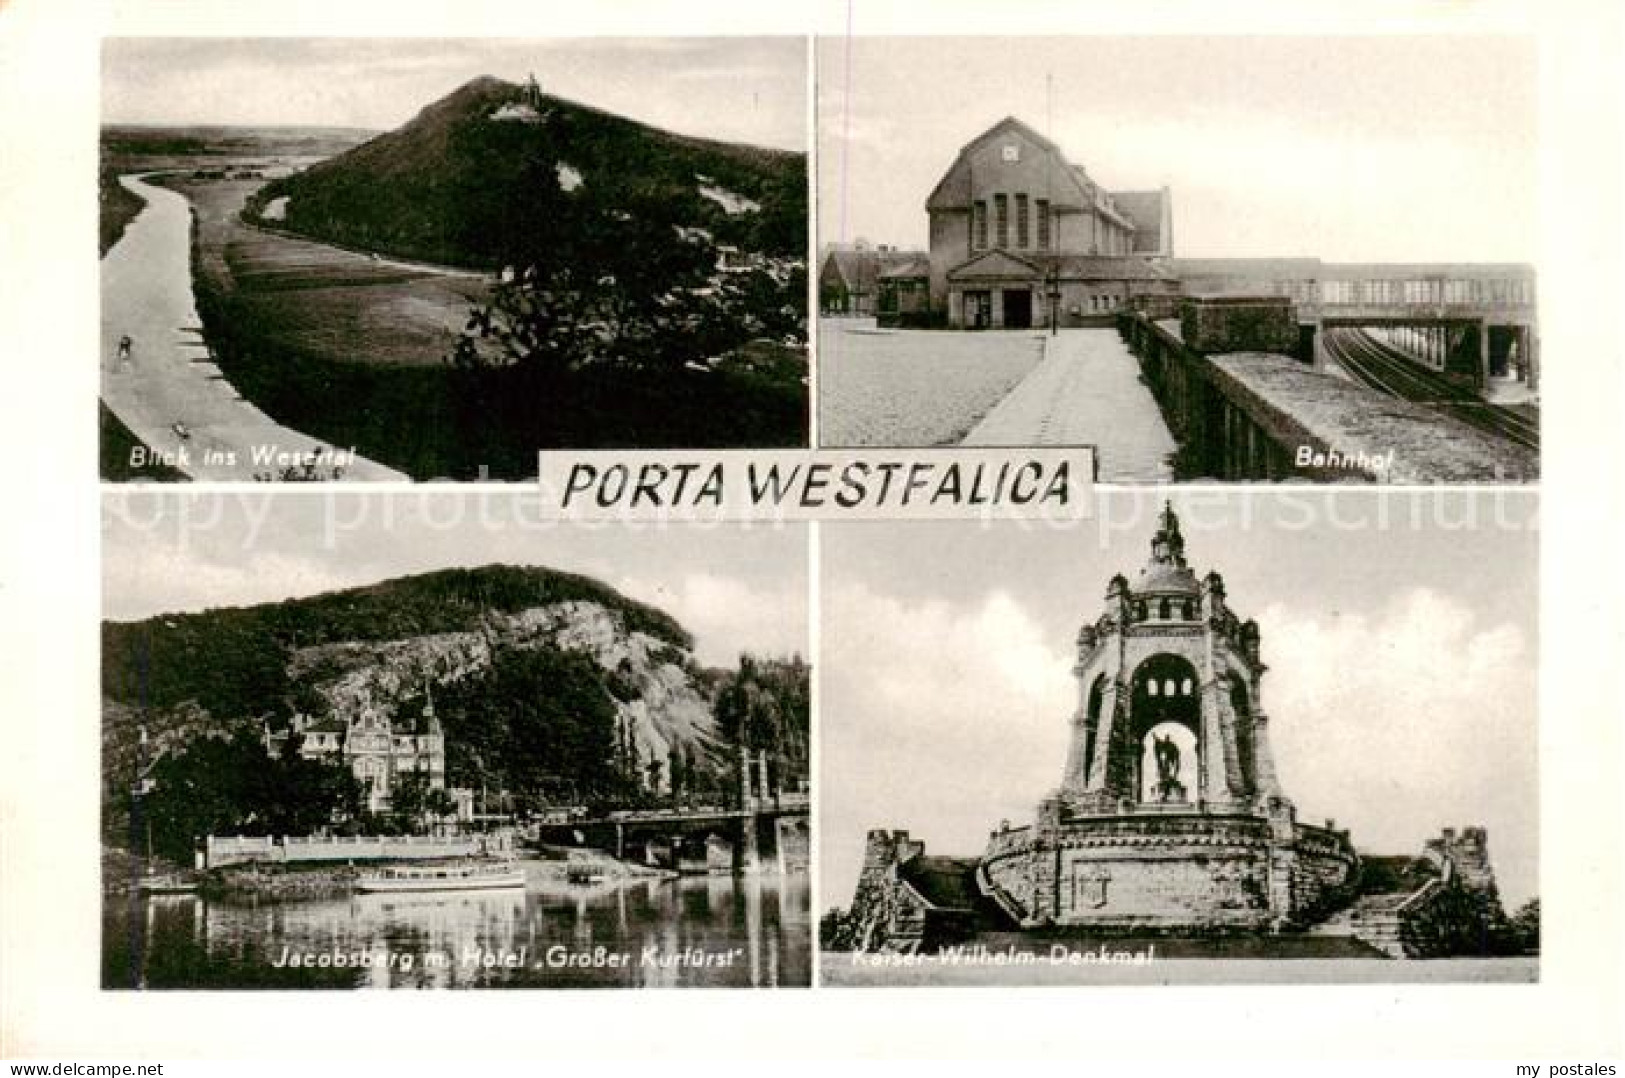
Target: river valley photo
487	249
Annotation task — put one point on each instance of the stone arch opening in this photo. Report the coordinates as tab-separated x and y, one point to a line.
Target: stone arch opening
1166	729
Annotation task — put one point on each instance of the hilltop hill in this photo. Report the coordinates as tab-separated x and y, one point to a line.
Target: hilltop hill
532	672
485	165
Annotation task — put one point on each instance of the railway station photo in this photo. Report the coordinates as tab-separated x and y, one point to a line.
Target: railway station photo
1058	259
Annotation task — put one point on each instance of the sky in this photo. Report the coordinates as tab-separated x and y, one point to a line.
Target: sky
1400	702
735	589
751	90
1402	148
1398	148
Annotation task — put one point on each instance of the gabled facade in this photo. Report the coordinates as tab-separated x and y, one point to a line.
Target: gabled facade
851	280
1020	236
378	749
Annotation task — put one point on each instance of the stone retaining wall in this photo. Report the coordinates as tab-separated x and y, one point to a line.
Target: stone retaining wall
237	849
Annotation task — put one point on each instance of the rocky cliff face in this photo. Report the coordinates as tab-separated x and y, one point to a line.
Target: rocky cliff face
534	673
658	696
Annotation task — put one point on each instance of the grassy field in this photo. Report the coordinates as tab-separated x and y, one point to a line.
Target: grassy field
352	349
913	387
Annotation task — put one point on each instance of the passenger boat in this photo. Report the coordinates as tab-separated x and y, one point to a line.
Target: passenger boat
166	885
475	877
585	874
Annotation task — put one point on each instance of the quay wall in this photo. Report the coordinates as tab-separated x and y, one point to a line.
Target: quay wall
220	851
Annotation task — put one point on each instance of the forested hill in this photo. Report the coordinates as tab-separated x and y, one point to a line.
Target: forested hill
547	685
494	164
235	661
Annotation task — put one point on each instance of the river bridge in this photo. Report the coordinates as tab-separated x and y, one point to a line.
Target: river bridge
764	833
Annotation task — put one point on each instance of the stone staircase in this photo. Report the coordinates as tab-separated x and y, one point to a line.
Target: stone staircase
1377	920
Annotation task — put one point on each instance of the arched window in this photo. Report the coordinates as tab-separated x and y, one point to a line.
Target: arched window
1162	609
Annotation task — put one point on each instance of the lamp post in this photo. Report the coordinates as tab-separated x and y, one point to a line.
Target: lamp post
1053	294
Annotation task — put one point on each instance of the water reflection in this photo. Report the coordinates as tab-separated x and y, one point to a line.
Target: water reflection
698	931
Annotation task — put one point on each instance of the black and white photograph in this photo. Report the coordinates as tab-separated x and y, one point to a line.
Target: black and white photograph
438	752
764	534
1076	771
1222	258
391	259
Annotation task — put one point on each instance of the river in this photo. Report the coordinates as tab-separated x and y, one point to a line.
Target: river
166	388
711	931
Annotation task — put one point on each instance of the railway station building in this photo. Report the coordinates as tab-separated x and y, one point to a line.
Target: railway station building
1023	237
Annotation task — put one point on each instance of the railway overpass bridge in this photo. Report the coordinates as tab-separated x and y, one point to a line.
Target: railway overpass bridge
1243	403
1473	323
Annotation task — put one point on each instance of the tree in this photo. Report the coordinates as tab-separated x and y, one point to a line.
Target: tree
407	797
544	720
617	272
414	802
1524	930
221	786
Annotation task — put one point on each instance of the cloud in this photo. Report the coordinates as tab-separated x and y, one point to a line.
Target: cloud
729	616
1417	717
935	717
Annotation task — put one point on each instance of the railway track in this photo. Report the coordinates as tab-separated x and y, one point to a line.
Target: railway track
1396	374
